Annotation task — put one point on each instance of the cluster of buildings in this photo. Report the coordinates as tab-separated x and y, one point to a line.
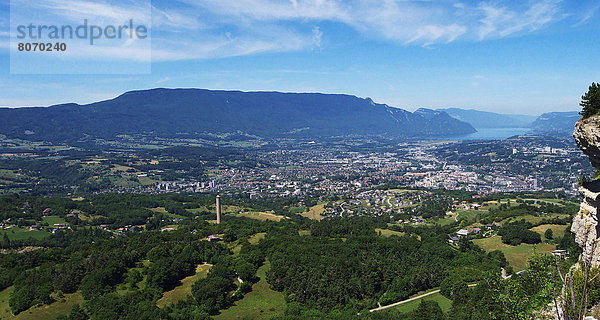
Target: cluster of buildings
486	167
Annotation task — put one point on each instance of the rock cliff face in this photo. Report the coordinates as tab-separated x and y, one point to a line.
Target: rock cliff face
585	224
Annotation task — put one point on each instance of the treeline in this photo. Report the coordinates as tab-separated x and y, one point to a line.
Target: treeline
116	210
119	210
515	233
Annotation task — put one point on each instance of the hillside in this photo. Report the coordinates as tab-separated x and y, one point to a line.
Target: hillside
556	123
484	119
213	115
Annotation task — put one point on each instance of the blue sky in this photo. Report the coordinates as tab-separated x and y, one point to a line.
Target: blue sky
517	56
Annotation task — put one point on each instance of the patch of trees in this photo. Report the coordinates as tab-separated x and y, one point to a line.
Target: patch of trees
133	305
515	233
590	101
345	264
434	208
171	264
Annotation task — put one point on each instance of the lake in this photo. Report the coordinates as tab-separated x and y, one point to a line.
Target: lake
492	134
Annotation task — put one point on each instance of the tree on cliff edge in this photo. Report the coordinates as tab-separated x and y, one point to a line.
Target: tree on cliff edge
590	101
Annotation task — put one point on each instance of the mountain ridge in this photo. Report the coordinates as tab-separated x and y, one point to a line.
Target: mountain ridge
556	123
486	119
200	112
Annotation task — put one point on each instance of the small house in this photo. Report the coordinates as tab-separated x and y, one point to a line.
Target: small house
462	232
214	238
559	253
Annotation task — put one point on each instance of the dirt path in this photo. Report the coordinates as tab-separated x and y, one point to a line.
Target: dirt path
411	299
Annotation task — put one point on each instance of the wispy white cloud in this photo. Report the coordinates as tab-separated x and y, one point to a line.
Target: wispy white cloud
408	22
587	15
162	80
99	11
265	10
199	29
501	20
229	45
175	19
317	34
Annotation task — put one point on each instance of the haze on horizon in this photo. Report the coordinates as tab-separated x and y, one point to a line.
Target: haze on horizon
516	57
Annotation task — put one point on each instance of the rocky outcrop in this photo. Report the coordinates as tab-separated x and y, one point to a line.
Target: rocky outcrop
587	136
585	223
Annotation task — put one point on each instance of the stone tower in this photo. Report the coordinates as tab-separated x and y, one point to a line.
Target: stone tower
218	205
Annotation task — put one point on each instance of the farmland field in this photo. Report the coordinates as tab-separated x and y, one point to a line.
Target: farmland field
517	256
557	230
23	233
52	220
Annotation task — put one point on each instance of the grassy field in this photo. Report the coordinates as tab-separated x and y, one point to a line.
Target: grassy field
262	216
469	215
165	212
52	220
537	219
442	301
17	233
388	232
146	181
444	221
120	168
495	204
85	217
517	256
50	311
159	210
261	303
182	291
257	237
224	209
5	312
401	191
201	209
235	248
315	212
558	230
228	209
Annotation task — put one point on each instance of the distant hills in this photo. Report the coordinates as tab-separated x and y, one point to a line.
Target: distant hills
206	114
484	119
556	123
553	123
